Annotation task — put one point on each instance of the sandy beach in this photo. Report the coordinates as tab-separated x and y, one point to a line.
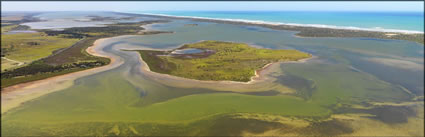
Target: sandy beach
260	82
13	96
258	77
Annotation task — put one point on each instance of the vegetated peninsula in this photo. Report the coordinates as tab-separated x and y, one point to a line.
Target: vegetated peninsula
46	53
216	60
307	31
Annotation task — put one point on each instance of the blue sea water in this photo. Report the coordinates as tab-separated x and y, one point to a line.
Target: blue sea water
408	21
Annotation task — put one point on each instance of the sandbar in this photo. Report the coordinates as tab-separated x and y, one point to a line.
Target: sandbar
262	81
14	96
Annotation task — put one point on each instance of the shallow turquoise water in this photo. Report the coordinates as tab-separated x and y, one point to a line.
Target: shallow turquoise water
413	21
354	52
346	70
188	51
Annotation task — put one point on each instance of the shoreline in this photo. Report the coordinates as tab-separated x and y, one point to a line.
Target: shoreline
14	96
265	81
261	22
310	30
258	74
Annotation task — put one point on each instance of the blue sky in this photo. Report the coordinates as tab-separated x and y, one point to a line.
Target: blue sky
210	5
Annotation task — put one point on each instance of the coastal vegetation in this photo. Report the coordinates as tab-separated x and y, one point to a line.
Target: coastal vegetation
50	53
329	32
28	47
305	31
6	28
217	60
332	95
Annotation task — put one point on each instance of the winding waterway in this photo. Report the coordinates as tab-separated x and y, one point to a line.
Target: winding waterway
346	74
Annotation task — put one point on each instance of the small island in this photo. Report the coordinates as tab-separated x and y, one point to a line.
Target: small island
216	60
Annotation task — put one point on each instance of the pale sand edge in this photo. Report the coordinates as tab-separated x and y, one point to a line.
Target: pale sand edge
257	77
18	86
15	95
10	93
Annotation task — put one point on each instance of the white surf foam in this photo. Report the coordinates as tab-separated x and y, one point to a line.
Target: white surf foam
376	29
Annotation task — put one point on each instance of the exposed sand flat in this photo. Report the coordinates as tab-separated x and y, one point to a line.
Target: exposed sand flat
262	81
13	96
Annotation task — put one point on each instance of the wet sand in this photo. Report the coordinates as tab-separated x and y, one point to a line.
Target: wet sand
262	81
13	96
16	95
258	77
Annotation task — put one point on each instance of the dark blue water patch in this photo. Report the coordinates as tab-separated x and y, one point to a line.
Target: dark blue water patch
258	29
188	51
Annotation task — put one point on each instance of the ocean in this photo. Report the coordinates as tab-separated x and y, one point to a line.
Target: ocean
349	77
409	22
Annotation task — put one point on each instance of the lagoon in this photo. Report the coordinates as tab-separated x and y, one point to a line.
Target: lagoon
187	51
402	21
347	74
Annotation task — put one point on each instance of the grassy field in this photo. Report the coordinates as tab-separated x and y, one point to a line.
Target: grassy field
218	61
17	80
7	64
7	28
28	47
69	46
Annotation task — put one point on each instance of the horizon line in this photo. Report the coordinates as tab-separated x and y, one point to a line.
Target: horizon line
213	10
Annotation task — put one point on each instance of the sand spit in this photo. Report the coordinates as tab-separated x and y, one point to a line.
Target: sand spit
14	96
262	81
261	22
